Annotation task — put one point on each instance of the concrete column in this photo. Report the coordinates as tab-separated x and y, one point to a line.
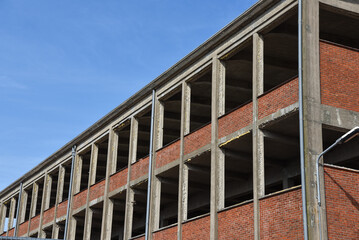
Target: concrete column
183	169
218	108
11	215
91	180
22	210
93	164
159	118
258	139
48	184
114	150
77	175
106	227
156	203
129	193
88	224
133	140
312	115
3	210
44	203
130	197
71	232
34	197
59	193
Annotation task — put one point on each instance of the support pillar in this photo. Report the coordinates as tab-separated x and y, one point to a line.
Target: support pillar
22	210
217	156
11	215
183	169
129	193
107	213
59	193
3	210
34	197
312	131
44	203
258	139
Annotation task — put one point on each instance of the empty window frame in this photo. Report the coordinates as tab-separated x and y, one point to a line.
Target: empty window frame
199	181
66	186
344	155
238	77
102	146
281	52
118	215
28	202
169	196
143	134
53	188
97	211
281	154
85	157
40	191
171	117
238	170
139	209
201	97
123	146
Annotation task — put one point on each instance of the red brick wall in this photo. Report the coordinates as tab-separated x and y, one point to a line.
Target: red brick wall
339	73
168	234
139	168
79	199
197	139
97	190
139	238
235	120
48	215
118	180
342	201
35	221
11	232
23	228
168	154
281	216
277	99
61	209
197	229
236	223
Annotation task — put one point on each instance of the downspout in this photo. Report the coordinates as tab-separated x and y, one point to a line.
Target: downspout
150	167
17	211
70	192
301	127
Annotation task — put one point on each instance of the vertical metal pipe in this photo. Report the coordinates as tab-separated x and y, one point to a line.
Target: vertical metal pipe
70	191
17	211
301	127
150	166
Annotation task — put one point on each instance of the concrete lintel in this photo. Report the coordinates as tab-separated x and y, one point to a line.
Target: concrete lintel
344	5
338	117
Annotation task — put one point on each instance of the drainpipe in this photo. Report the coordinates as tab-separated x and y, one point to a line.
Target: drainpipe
150	166
17	211
70	192
301	127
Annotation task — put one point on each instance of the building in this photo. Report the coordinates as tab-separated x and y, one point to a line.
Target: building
225	141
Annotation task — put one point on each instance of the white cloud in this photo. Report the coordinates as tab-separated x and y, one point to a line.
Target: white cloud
7	83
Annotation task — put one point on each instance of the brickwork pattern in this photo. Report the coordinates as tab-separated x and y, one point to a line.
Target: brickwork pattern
79	199
197	229
197	139
62	209
48	215
97	190
235	120
342	201
281	216
236	223
168	154
281	97
339	74
168	234
118	179
35	221
140	168
23	228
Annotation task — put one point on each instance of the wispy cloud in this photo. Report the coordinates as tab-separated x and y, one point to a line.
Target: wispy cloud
7	83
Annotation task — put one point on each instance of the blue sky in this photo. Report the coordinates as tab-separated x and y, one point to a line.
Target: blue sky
65	64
